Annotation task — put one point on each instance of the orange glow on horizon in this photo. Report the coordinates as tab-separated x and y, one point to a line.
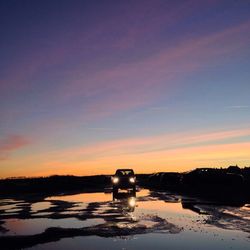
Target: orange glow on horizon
179	159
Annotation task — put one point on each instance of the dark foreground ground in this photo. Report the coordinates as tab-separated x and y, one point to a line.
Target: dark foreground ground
203	209
152	219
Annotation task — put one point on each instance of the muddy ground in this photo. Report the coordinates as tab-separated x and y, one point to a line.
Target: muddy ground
34	222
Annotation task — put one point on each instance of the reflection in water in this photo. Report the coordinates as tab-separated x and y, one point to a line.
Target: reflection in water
132	201
160	206
35	226
230	216
199	206
38	206
127	201
185	222
83	197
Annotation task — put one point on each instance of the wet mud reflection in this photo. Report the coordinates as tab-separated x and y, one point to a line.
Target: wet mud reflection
26	223
126	200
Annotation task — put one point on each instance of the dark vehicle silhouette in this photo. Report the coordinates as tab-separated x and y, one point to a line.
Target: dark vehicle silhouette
164	180
124	179
154	179
211	177
214	183
170	180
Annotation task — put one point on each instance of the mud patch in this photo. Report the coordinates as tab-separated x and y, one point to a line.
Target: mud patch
229	218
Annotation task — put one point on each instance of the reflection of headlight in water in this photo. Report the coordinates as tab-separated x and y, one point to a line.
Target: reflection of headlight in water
115	180
132	179
131	202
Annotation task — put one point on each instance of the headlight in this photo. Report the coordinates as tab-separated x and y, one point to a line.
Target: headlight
132	179
115	180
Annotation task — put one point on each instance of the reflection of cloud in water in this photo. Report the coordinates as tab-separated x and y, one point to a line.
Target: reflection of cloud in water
8	207
167	207
38	206
84	197
35	226
78	206
98	214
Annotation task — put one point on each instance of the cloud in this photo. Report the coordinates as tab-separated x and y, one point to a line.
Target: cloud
175	159
103	129
135	84
164	152
239	107
138	146
159	108
128	82
10	144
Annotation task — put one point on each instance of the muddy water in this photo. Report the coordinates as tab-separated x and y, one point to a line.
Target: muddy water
151	220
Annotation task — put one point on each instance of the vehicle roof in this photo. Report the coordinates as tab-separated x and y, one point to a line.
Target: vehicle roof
125	169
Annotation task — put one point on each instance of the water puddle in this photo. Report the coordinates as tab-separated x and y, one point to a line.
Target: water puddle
36	226
149	220
38	206
84	197
8	207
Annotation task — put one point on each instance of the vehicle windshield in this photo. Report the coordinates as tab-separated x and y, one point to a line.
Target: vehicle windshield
124	172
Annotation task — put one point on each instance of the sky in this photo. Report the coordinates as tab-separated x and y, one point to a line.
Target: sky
87	87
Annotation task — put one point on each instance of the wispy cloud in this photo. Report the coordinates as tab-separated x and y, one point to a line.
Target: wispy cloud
164	152
238	107
159	108
12	143
150	144
135	84
103	129
82	72
172	159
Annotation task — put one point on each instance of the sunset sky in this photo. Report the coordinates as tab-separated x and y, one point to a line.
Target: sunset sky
87	87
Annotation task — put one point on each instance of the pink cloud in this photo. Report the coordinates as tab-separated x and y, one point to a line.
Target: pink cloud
132	85
28	67
147	20
149	144
10	144
177	152
135	22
